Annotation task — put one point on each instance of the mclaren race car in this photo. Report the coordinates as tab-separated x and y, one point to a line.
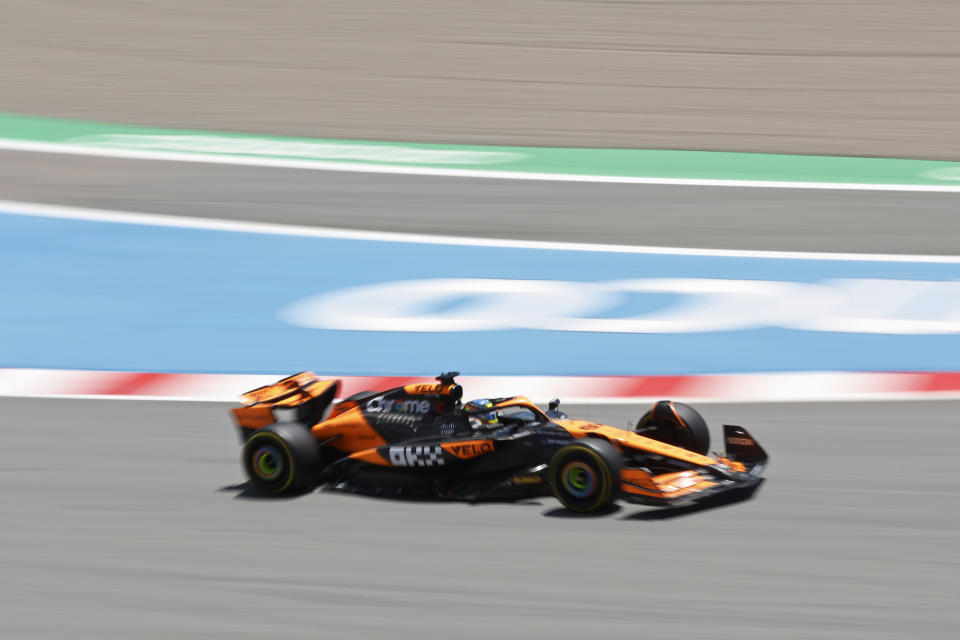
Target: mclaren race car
420	440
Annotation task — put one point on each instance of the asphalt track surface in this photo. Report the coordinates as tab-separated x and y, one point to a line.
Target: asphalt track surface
129	519
709	217
844	77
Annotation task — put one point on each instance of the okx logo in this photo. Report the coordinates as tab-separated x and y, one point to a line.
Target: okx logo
418	456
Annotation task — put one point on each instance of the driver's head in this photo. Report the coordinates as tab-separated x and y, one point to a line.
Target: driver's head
482	414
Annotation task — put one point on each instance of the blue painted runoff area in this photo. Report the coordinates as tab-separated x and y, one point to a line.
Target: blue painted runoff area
114	296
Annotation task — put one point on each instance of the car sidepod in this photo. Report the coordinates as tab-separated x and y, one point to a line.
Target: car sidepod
475	468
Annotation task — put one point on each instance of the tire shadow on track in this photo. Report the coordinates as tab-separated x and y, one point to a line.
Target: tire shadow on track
563	512
246	491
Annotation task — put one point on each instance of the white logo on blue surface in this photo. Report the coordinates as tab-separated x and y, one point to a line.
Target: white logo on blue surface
695	305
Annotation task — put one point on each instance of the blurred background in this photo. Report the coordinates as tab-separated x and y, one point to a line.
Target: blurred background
855	77
127	517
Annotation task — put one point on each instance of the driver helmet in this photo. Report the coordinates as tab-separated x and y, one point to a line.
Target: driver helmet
482	414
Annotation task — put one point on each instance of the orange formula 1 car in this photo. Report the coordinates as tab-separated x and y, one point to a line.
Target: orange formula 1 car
420	440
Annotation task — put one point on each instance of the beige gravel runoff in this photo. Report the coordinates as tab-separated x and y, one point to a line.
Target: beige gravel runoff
849	77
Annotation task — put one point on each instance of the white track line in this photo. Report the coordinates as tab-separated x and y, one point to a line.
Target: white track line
151	219
320	165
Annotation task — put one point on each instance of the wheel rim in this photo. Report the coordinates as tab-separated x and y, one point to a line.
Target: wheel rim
267	462
579	479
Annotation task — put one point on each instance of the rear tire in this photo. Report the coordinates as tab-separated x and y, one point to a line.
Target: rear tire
281	458
676	423
585	477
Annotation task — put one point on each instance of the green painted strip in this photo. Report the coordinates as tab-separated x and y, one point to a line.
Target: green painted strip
627	163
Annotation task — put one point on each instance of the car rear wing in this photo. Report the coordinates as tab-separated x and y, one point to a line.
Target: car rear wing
302	397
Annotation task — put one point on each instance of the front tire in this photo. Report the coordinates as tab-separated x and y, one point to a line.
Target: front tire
281	458
676	423
585	476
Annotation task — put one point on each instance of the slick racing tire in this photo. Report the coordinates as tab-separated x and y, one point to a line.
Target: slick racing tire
585	477
281	458
676	423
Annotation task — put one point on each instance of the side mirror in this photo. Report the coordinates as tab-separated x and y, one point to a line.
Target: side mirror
447	377
553	410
